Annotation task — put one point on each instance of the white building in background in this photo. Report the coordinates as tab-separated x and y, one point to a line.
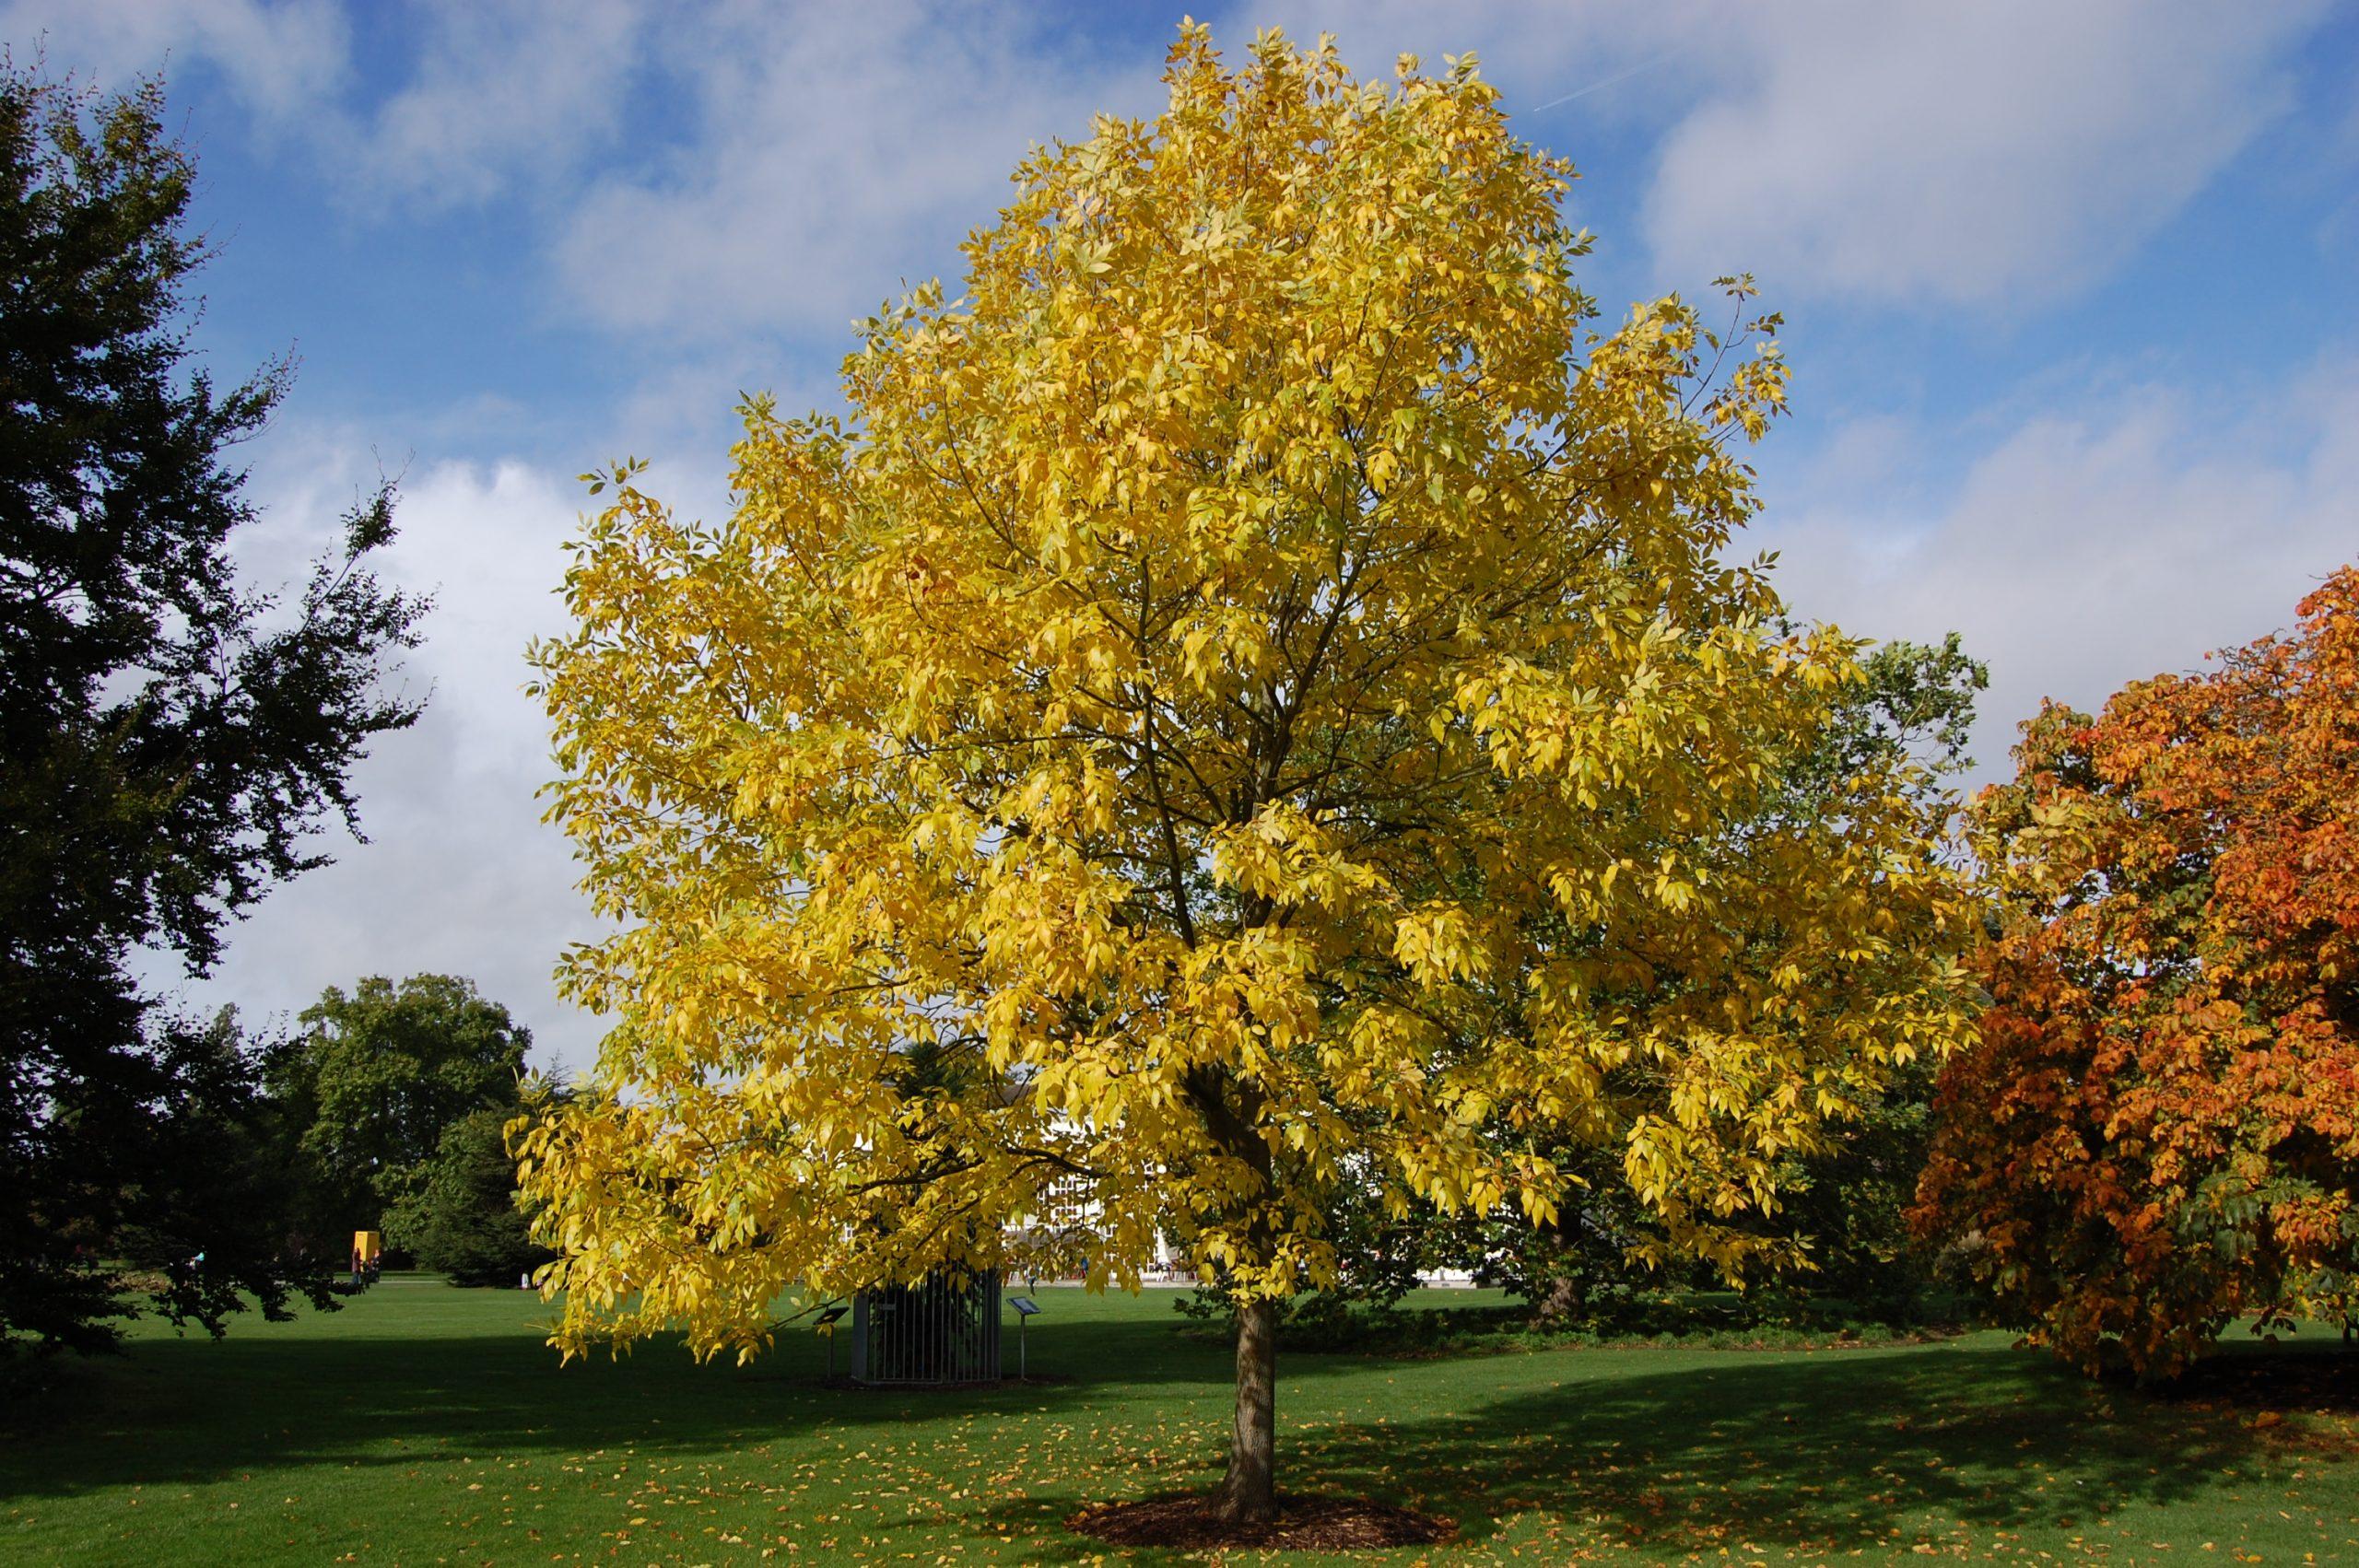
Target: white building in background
1067	1227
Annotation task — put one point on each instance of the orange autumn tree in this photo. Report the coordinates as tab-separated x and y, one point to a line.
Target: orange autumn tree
1253	700
2159	1130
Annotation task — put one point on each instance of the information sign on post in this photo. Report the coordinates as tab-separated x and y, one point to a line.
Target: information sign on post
827	1325
1025	1307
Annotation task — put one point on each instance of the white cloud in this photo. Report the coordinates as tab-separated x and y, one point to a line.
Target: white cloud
1533	51
2086	550
489	98
279	58
502	94
842	149
1996	153
791	163
459	876
1960	154
809	156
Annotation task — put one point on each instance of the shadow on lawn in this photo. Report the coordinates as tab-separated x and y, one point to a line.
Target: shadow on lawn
1678	1453
2300	1376
1822	1453
194	1410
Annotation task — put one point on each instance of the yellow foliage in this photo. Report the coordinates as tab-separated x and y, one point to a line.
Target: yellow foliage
1254	694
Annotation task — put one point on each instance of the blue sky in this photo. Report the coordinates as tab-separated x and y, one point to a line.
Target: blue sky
2068	292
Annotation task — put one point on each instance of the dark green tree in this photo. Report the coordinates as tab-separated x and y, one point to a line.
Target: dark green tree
1917	702
171	736
376	1079
460	1216
1378	1255
204	1111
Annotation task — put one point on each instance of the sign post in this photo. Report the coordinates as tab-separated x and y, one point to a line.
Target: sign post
1025	1307
827	1325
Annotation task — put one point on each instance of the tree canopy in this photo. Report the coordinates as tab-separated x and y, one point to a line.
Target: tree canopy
2159	1129
1258	685
171	737
380	1076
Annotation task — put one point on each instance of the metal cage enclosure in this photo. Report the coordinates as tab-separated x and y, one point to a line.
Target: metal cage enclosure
938	1330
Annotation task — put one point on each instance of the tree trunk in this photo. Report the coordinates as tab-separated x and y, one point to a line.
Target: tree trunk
1248	1493
1564	1298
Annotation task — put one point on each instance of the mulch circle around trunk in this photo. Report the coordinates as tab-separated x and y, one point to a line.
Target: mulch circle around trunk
1304	1524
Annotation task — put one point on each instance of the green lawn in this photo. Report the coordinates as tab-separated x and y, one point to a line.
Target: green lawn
424	1424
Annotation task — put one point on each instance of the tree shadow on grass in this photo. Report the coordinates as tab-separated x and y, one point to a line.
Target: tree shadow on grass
1821	1452
1673	1451
2280	1378
187	1410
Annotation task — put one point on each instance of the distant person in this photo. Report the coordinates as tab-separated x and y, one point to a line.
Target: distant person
357	1265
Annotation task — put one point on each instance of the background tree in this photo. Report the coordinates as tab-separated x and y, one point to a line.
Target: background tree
122	1208
377	1079
1909	721
170	738
1913	705
1905	721
1381	1242
460	1215
1258	680
2159	1129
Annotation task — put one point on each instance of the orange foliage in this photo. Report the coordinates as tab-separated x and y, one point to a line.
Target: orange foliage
2159	1129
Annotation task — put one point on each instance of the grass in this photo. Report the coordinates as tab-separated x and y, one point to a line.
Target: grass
424	1424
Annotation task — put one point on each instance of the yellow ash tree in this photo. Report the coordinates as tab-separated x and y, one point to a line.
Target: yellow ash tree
1251	699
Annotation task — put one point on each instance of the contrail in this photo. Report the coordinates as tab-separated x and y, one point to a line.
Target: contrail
1646	65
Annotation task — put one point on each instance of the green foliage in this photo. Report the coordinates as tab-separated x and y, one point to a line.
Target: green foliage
170	736
128	1216
1916	704
1852	1201
1851	1195
1910	717
1560	1268
378	1077
1378	1255
211	1239
461	1217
